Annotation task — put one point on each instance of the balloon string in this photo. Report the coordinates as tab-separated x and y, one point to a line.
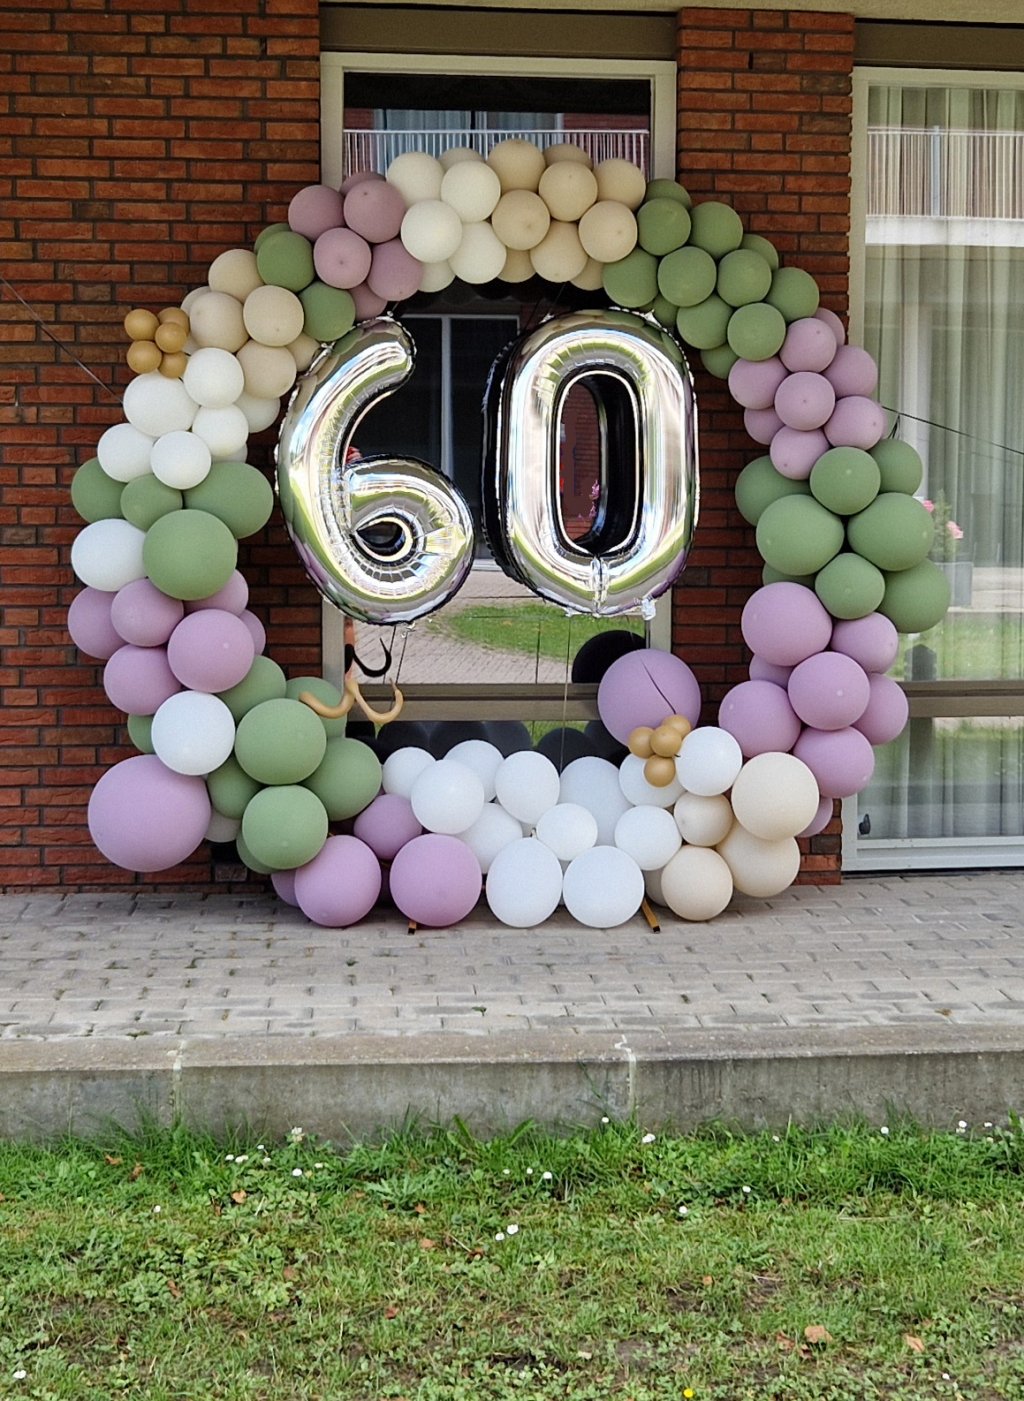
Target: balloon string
565	695
947	428
56	340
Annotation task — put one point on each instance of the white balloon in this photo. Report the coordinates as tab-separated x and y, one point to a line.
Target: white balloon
181	460
221	828
696	884
403	767
447	797
703	821
493	830
213	377
652	884
642	793
259	413
524	883
123	451
107	554
193	733
760	868
709	761
649	835
594	784
569	829
157	405
224	431
526	785
775	796
483	758
603	887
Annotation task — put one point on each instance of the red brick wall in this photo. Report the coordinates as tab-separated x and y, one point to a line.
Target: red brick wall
765	125
139	139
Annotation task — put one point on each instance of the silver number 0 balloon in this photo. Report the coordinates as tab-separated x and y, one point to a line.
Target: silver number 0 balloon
386	539
644	398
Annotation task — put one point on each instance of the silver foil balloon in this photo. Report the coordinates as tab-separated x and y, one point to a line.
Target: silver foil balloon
646	412
386	539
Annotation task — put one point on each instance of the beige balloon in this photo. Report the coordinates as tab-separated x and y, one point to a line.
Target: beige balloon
216	319
621	180
273	315
521	219
760	868
703	821
519	164
472	189
591	279
455	155
303	350
696	884
234	271
416	176
480	256
566	151
775	796
269	370
518	266
560	256
436	276
608	231
568	189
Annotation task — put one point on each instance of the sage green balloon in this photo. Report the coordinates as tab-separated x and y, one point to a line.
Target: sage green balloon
900	465
140	732
756	332
285	259
347	779
769	575
894	532
668	189
662	225
716	227
687	276
247	858
269	232
323	691
285	827
94	495
743	277
916	599
237	494
230	788
767	250
330	311
845	480
794	293
759	484
280	741
633	280
189	554
798	536
664	312
264	681
719	361
849	586
145	499
704	326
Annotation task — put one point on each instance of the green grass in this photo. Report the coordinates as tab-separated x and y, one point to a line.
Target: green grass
965	646
170	1266
537	629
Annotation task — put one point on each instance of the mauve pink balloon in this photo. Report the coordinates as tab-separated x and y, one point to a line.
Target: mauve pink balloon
644	688
785	623
853	371
804	400
138	680
315	209
810	344
833	322
829	691
386	825
394	272
211	650
762	670
341	258
435	880
842	761
367	303
374	209
759	717
257	631
872	641
820	820
232	597
761	424
145	817
143	615
752	383
89	624
857	422
340	885
358	177
284	886
886	713
794	453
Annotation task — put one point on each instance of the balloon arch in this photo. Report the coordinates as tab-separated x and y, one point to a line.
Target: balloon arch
231	749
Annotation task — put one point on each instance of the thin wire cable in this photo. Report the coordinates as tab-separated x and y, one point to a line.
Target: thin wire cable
56	339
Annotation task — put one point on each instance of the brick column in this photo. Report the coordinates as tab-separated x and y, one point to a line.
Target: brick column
764	125
140	138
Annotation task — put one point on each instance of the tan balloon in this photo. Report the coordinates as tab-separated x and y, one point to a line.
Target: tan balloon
269	370
176	314
568	189
171	337
144	356
621	180
518	266
608	231
173	366
520	219
639	742
566	151
666	741
141	324
660	771
303	349
560	256
519	164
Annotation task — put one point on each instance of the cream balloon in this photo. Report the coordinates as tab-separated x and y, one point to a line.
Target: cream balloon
235	272
472	189
431	231
269	369
480	256
696	884
304	350
273	315
559	257
436	277
775	795
608	231
518	266
703	821
566	151
458	155
416	176
621	180
568	189
760	868
216	319
591	279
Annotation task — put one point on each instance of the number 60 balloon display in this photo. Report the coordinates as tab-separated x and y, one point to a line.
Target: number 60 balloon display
390	539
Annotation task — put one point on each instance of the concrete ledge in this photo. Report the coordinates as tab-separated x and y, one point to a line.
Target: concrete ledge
345	1088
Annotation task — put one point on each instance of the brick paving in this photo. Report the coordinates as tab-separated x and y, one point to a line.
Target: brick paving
908	952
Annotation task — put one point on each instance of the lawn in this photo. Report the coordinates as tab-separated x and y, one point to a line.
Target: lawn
536	629
605	1266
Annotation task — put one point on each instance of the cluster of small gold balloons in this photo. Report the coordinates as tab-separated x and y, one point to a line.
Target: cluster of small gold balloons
157	341
660	747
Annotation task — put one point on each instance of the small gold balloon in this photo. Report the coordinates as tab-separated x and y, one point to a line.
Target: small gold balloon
666	741
173	314
173	366
143	357
639	742
141	324
680	724
171	337
659	771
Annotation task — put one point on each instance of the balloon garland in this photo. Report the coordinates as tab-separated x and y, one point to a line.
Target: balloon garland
229	751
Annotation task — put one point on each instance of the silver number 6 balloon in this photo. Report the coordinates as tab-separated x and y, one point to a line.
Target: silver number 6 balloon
386	539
